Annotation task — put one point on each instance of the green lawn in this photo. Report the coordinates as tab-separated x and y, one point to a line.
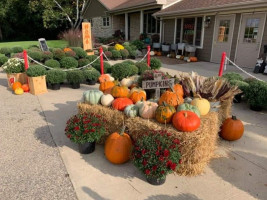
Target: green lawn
26	44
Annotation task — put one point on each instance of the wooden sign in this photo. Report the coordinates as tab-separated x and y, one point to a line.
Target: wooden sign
157	84
87	37
43	45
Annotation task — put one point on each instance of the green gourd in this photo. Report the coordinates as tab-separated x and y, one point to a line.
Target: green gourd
189	107
92	96
131	111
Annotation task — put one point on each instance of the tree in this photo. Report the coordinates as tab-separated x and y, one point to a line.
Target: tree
57	11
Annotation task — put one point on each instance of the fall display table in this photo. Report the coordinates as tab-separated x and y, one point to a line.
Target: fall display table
197	148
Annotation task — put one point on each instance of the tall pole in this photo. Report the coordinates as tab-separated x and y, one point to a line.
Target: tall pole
148	55
101	60
222	63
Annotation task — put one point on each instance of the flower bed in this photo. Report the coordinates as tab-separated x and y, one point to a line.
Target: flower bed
197	147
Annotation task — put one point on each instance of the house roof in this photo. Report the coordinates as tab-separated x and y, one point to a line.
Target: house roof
198	5
111	4
133	4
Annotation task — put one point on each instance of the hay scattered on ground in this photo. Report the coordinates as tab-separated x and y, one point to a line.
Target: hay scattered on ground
197	148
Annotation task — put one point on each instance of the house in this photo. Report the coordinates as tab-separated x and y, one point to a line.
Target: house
237	27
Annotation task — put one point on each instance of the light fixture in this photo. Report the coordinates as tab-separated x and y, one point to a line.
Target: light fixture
207	21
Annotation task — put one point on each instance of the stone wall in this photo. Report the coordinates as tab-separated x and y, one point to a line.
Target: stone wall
98	30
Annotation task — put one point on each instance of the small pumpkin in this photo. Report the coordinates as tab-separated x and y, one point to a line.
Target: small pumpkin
159	53
131	111
106	87
25	87
111	78
107	99
147	110
232	129
182	58
137	94
16	85
133	85
171	98
103	78
92	96
19	91
153	100
202	104
118	147
186	106
126	82
178	89
121	103
193	59
186	121
164	113
119	91
188	100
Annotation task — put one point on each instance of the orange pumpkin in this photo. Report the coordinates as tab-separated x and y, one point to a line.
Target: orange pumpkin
103	78
178	89
119	91
16	85
171	98
133	85
67	49
106	87
156	53
121	103
232	129
118	147
193	59
164	113
159	53
25	87
137	94
186	121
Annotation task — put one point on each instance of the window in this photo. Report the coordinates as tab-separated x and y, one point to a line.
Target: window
91	21
151	25
106	21
189	30
223	31
251	30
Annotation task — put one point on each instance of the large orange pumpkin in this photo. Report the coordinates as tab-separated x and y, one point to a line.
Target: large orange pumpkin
121	103
171	98
193	59
137	94
178	89
103	78
232	129
25	87
119	91
186	121
16	85
118	147
106	87
164	113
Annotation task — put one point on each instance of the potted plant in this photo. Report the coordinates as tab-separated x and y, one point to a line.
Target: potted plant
91	75
156	155
6	51
75	77
257	95
155	41
108	54
15	71
85	129
243	86
55	77
37	80
165	47
124	54
132	54
115	54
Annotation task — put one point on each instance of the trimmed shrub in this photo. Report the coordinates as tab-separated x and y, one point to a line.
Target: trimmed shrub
250	80
52	63
111	48
17	49
70	54
91	74
46	55
3	59
155	63
80	53
243	86
133	47
75	76
108	54
139	44
142	66
55	76
257	94
36	55
115	54
82	62
91	58
134	70
233	76
120	71
5	50
36	70
124	53
132	54
128	48
13	65
58	54
107	67
68	62
126	44
129	62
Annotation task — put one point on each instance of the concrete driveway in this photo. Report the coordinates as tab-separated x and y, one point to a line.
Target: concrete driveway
239	172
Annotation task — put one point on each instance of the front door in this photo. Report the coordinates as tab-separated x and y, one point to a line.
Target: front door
222	39
250	38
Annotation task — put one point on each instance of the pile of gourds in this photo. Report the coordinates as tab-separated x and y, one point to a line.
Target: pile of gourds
19	89
131	100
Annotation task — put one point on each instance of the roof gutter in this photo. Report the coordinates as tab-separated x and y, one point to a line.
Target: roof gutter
134	7
215	8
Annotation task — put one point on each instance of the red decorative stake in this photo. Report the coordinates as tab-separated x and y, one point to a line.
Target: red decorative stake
101	60
148	55
26	63
222	63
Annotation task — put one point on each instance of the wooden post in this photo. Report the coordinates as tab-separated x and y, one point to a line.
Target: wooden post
87	39
101	60
148	55
26	63
222	63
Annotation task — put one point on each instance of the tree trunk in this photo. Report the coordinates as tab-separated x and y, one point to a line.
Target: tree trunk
1	35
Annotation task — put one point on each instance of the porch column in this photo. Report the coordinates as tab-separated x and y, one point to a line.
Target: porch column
126	27
160	30
141	21
175	30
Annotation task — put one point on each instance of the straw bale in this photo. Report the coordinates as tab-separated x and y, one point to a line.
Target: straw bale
197	148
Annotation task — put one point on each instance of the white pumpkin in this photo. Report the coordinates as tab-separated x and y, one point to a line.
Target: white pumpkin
135	78
107	99
110	77
126	82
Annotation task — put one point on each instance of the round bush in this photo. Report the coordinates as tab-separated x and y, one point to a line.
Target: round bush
132	53
70	54
46	55
233	76
17	49
52	63
36	70
82	62
115	54
107	67
142	67
133	47
120	71
257	93
155	63
108	54
75	76
58	54
13	65
5	50
124	53
128	48
55	76
134	70
129	62
243	86
138	44
91	74
111	48
80	53
91	58
36	55
3	59
68	62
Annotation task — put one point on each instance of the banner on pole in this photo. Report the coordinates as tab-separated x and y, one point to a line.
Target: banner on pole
87	37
